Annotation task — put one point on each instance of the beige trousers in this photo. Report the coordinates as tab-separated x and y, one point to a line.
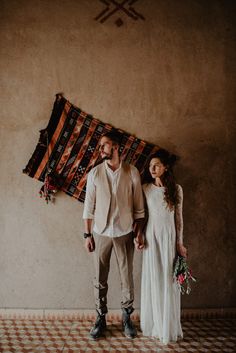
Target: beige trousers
124	252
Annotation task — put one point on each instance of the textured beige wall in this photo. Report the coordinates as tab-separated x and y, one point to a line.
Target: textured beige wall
170	80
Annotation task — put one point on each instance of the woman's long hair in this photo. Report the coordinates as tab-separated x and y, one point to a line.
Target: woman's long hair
168	179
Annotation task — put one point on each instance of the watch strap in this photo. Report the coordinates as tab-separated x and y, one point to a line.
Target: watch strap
87	235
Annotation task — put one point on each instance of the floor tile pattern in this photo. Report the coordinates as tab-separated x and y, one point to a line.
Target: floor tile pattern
71	336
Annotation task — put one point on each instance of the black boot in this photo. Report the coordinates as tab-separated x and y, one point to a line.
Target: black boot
128	327
99	326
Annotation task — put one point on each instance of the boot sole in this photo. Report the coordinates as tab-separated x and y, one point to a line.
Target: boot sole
96	337
129	336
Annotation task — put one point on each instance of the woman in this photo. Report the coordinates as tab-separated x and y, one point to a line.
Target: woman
160	296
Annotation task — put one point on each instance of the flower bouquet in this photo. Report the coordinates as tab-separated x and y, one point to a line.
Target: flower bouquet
182	274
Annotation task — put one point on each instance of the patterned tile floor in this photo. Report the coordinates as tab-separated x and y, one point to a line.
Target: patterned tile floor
71	336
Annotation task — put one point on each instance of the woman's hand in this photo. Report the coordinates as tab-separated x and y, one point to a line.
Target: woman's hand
139	242
181	250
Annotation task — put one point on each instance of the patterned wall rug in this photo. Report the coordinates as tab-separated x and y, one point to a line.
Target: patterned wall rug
68	148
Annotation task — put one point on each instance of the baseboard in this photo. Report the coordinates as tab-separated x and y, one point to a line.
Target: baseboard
84	314
217	313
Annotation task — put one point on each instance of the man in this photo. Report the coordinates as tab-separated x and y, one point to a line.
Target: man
114	204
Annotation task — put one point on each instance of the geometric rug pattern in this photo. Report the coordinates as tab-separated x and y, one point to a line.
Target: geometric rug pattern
69	147
72	336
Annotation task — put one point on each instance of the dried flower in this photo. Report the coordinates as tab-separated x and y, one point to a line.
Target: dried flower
48	190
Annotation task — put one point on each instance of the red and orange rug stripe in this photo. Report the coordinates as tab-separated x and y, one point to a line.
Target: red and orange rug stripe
68	148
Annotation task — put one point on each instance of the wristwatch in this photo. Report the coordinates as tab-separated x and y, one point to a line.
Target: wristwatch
86	235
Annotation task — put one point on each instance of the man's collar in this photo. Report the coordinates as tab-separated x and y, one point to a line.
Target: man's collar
109	168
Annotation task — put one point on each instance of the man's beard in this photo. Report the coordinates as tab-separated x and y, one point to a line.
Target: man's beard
100	160
108	156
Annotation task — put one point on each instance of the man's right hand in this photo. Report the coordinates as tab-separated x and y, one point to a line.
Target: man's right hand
90	244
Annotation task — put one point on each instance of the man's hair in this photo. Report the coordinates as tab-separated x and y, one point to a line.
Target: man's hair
114	136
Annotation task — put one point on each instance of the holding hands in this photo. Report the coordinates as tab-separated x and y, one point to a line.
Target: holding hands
139	242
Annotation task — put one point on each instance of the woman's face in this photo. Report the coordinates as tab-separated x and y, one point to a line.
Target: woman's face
156	168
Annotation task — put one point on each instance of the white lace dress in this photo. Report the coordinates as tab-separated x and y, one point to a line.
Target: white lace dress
160	297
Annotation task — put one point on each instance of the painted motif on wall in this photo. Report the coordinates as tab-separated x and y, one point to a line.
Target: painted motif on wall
115	7
69	147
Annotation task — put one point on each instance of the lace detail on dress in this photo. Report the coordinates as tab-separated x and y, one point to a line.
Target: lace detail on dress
179	225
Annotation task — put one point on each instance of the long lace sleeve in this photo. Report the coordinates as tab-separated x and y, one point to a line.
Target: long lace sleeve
145	209
179	225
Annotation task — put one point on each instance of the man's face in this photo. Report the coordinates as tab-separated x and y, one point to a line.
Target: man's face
106	148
